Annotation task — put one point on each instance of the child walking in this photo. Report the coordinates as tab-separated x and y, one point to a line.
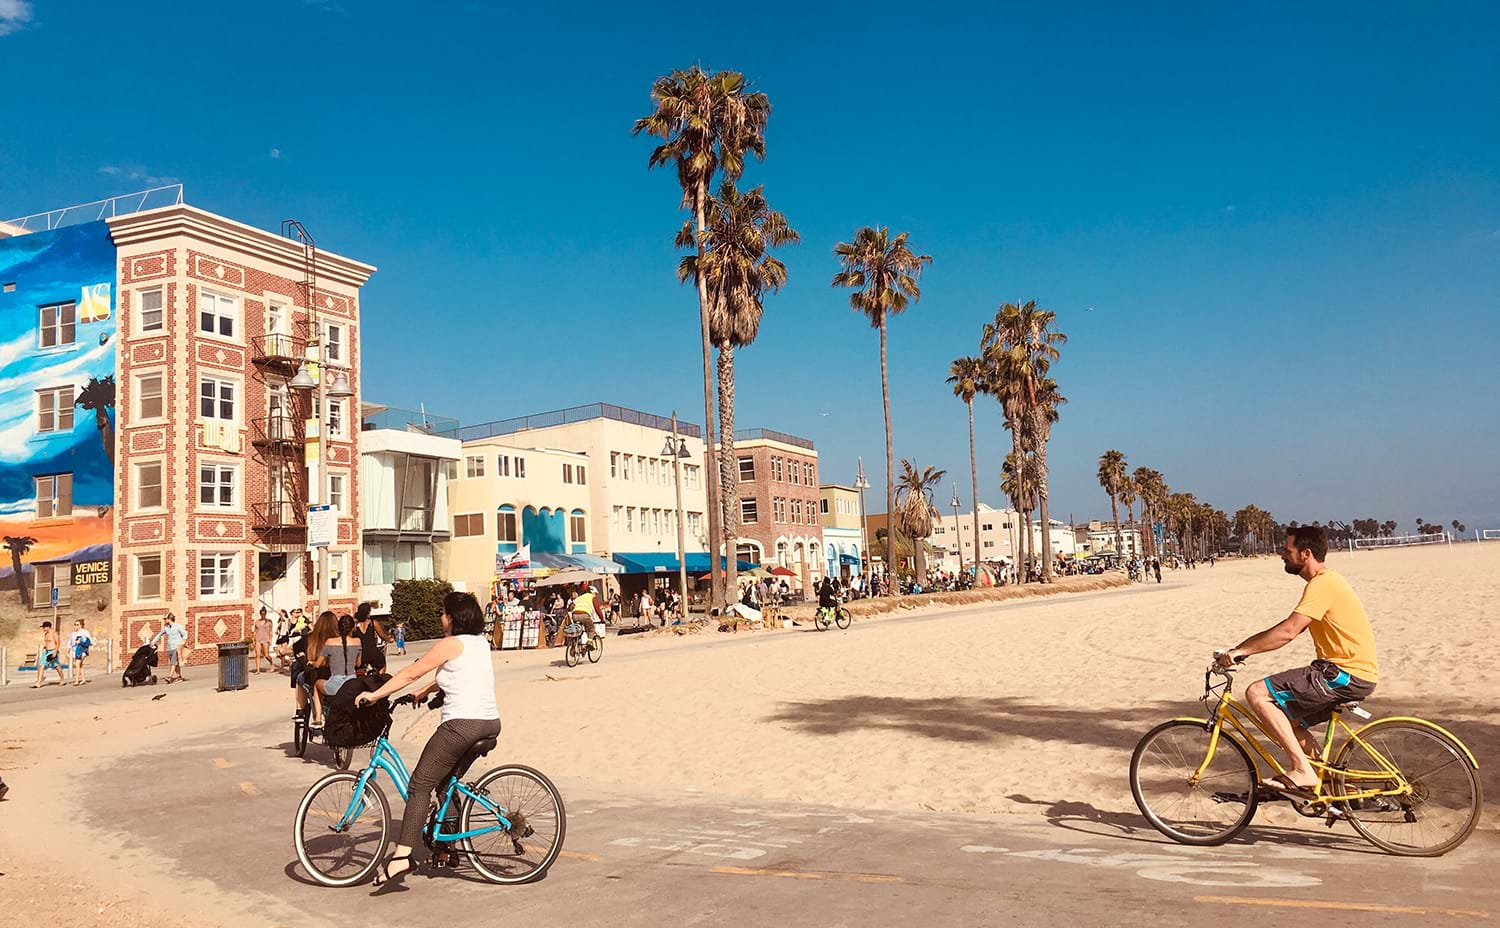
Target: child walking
400	637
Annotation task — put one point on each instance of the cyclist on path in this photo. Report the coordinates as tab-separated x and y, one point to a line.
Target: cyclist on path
1288	703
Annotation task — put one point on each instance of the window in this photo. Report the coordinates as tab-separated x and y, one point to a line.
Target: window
148	401
216	485
614	520
151	311
473	465
614	463
58	325
695	523
939	530
216	314
656	521
505	524
54	410
797	510
576	527
337	487
216	574
216	399
629	518
567	473
578	472
333	342
989	544
651	468
748	514
747	469
521	468
987	526
778	509
54	496
338	580
824	504
147	577
468	525
148	485
627	467
690	475
502	466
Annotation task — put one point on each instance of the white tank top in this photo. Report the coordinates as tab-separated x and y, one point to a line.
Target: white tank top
468	682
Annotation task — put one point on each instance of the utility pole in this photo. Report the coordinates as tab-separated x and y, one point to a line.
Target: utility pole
862	483
677	448
959	540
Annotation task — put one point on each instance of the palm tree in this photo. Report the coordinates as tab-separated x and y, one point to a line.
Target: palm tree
915	511
98	395
1005	391
1025	343
707	121
18	545
883	272
741	229
1127	496
1111	475
967	375
1018	481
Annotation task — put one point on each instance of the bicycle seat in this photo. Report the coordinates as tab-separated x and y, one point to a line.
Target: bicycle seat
480	749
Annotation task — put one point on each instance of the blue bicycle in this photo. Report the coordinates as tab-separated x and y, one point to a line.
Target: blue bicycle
509	823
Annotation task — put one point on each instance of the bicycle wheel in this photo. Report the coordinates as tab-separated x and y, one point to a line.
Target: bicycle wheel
596	649
1444	805
570	654
334	857
819	622
1211	811
842	617
342	757
538	823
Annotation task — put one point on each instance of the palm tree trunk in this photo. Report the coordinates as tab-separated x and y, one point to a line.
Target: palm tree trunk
1129	518
1041	493
890	470
1114	513
106	432
728	467
710	473
23	589
974	501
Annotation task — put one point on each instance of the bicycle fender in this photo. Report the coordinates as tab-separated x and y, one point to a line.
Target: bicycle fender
1423	723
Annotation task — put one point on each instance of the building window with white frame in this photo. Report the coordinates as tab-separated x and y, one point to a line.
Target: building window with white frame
54	496
216	485
57	325
614	463
502	466
577	527
567	470
630	519
473	465
578	472
625	474
217	314
695	523
505	525
521	468
333	342
614	518
747	469
335	418
151	317
338	486
148	396
216	399
147	577
338	571
749	515
54	410
217	574
148	485
690	476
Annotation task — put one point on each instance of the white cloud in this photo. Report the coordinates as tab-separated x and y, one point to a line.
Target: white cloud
327	6
135	173
18	411
1230	208
14	15
275	153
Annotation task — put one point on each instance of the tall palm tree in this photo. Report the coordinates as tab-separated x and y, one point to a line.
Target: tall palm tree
98	395
1128	491
741	229
1112	475
18	545
1025	343
1008	395
967	374
1018	482
1153	491
915	510
883	272
708	121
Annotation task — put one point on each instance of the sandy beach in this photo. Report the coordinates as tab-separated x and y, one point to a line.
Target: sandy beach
1028	707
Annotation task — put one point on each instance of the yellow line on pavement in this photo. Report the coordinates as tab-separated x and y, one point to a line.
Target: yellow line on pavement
222	764
1346	906
579	855
811	874
249	789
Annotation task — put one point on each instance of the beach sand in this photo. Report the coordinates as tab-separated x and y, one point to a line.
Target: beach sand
1027	707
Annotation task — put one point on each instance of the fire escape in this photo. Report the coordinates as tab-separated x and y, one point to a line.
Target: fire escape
280	436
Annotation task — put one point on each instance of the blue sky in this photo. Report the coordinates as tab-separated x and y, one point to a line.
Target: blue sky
1271	234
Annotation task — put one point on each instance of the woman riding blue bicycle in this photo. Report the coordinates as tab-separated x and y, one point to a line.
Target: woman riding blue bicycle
461	666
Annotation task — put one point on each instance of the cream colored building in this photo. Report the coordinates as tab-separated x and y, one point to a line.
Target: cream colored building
843	531
999	537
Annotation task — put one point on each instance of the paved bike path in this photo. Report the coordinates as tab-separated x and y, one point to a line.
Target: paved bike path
657	857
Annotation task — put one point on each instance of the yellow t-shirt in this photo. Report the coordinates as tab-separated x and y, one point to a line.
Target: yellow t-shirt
1340	629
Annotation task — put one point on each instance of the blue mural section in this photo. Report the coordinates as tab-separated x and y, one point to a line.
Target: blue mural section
57	409
546	530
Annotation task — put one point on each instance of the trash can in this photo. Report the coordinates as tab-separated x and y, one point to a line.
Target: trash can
234	666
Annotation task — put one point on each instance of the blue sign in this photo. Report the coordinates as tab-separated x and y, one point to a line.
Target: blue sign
54	597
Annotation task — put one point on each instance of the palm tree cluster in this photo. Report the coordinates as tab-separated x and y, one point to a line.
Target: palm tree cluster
915	510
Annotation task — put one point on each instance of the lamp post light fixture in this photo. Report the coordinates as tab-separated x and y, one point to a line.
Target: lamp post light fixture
676	448
862	483
322	393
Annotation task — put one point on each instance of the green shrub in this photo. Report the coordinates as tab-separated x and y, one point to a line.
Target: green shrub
419	603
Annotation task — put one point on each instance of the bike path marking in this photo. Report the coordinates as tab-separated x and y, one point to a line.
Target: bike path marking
810	874
1166	868
1345	906
580	855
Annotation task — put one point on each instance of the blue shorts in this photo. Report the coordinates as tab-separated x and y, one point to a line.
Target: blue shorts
335	682
50	661
172	656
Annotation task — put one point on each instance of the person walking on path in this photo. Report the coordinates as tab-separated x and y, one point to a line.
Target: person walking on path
176	637
371	637
1156	568
79	644
262	640
47	658
401	638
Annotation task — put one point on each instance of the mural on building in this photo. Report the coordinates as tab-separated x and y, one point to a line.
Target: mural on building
57	425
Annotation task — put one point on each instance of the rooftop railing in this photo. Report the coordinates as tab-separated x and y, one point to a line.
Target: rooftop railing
772	435
411	420
123	205
576	414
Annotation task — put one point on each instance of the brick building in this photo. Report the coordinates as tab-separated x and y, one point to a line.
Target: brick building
780	522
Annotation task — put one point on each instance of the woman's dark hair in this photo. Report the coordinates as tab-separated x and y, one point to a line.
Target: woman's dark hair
464	615
362	613
346	625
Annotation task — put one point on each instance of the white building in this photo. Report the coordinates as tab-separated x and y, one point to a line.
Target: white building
1101	538
406	459
999	538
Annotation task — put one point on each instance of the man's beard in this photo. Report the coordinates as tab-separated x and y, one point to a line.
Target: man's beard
1291	568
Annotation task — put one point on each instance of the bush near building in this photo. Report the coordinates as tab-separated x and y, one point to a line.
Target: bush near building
419	603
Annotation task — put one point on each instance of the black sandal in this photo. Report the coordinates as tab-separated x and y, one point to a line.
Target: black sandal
383	875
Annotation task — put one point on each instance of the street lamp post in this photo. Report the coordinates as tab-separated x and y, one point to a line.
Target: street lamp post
959	541
862	483
310	377
676	449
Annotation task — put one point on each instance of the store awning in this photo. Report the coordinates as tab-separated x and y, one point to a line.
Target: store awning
848	559
557	561
652	562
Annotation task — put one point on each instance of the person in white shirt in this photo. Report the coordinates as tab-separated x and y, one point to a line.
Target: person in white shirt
78	646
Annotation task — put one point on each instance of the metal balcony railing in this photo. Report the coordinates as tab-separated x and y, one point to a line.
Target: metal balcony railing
279	350
279	514
276	429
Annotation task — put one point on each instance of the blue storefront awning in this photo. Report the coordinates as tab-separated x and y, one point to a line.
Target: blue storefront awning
653	562
848	559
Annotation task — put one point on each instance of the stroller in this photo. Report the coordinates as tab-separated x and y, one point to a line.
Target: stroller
139	672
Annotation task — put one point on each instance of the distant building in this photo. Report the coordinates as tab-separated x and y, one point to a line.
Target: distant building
843	535
1099	538
998	541
778	495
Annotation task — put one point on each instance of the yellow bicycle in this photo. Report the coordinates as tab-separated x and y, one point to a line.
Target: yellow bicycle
1406	785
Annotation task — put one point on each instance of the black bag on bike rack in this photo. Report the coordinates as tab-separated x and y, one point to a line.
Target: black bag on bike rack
345	726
